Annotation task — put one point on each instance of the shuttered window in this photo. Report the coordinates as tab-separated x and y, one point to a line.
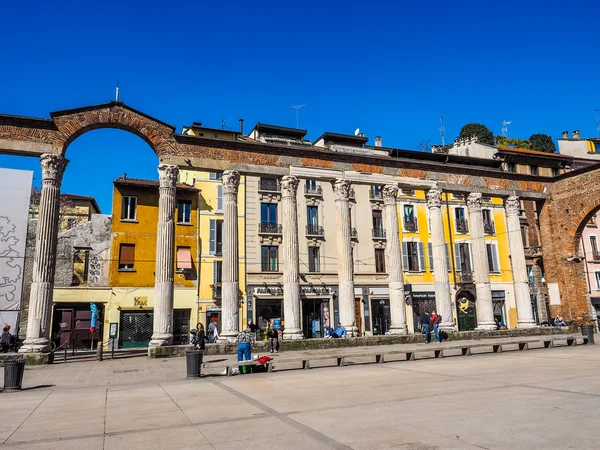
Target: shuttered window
219	198
184	258
492	256
413	256
379	260
184	211
217	272
215	237
126	256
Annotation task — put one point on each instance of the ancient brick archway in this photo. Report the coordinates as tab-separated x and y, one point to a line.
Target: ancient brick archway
573	200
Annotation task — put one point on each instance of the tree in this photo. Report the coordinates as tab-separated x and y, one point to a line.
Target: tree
542	143
425	146
483	133
502	141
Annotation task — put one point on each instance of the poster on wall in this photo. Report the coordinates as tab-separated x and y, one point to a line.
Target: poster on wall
15	191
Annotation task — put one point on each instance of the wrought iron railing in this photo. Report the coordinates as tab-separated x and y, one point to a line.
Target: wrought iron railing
376	194
270	185
216	291
489	228
314	230
316	191
596	256
270	228
410	223
379	233
465	276
462	226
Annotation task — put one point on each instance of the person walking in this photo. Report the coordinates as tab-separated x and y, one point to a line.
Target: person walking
273	338
425	321
245	341
435	322
5	339
213	332
200	337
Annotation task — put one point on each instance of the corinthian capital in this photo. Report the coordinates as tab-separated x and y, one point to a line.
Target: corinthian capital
167	175
390	192
289	186
341	189
512	205
231	181
474	202
53	167
434	198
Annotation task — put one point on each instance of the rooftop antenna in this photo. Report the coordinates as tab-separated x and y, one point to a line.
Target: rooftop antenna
223	126
117	92
357	132
505	125
296	107
442	130
597	121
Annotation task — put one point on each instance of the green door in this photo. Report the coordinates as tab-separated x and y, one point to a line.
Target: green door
467	315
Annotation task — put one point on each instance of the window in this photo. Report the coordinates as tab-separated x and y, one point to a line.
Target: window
594	248
377	219
216	175
410	221
269	184
313	259
311	185
598	279
184	259
312	215
80	266
524	236
216	237
555	171
126	256
380	260
430	253
269	259
460	220
413	256
129	208
462	253
219	198
217	272
492	257
511	167
268	213
488	221
498	300
376	192
184	211
70	223
534	170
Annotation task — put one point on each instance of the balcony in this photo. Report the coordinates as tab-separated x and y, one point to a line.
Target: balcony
465	277
269	185
269	228
411	224
314	230
489	228
216	291
462	226
378	233
595	256
376	196
313	191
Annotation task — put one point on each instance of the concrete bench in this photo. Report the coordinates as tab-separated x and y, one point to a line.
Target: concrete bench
230	364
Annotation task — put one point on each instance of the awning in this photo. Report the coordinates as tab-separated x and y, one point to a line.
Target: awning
184	258
127	254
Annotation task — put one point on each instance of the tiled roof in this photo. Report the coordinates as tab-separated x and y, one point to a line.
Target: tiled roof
533	152
82	197
149	183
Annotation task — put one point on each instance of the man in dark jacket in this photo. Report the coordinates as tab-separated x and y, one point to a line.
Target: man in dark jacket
425	323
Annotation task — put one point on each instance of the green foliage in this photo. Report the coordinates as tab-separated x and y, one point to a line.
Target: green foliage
542	143
483	133
503	141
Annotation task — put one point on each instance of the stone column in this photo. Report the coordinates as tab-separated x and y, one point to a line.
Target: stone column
162	329
341	189
485	309
230	281
517	259
290	258
44	263
443	296
393	256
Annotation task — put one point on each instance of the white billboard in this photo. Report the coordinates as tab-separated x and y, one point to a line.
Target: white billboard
15	191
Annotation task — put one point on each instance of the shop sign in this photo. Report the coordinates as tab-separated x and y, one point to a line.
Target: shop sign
304	290
423	295
113	330
140	301
213	308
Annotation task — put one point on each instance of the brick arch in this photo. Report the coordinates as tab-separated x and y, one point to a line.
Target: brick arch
573	200
73	123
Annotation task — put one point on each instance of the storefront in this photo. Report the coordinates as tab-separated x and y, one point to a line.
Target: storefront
466	311
381	318
136	327
499	304
422	303
71	324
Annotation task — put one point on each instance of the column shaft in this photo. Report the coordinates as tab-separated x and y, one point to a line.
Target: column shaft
230	282
485	309
162	331
443	296
394	262
519	266
341	190
44	263
290	258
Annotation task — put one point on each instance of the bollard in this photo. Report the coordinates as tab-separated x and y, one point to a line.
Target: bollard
99	351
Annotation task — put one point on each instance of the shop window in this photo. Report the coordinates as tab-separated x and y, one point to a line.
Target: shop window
269	261
492	257
184	211
129	208
216	237
313	259
380	260
126	256
184	259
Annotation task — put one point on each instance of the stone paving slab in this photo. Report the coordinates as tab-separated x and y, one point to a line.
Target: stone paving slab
544	399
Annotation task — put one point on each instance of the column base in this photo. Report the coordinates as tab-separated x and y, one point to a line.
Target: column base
40	345
227	337
448	327
486	326
293	334
161	340
527	325
397	330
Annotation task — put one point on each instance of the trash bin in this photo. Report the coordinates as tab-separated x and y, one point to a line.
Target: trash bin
588	332
193	362
13	374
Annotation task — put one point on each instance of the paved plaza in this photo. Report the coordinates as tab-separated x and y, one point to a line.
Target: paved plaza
547	398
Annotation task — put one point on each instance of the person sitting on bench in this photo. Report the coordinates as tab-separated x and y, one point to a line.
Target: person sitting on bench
339	332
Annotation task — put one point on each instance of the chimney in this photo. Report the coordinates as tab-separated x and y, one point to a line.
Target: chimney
241	126
565	135
124	176
576	134
378	142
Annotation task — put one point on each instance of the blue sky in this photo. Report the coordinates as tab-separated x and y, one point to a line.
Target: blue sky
390	68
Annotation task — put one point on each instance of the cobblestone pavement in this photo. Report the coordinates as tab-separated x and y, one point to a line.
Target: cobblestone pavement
546	398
